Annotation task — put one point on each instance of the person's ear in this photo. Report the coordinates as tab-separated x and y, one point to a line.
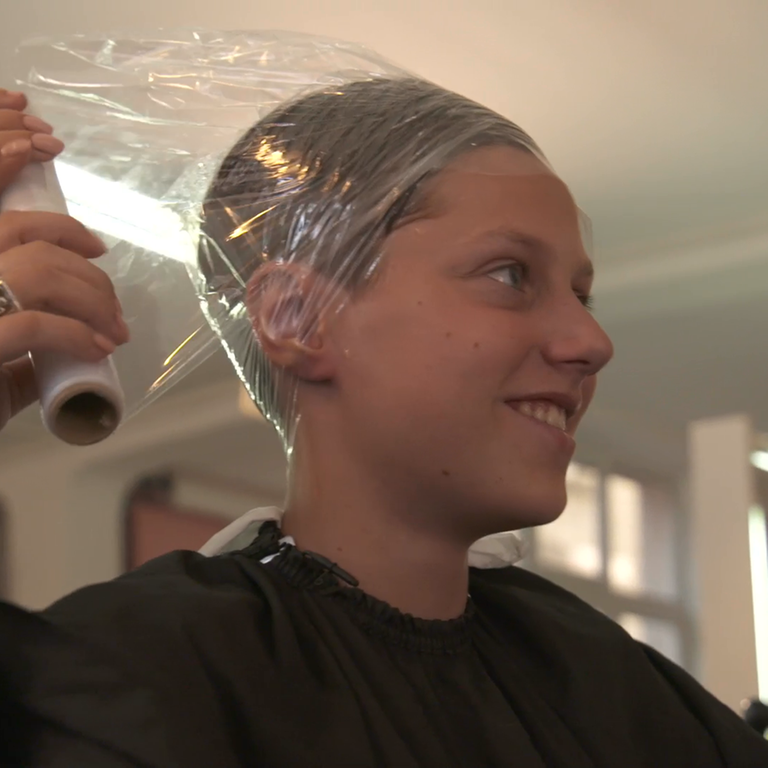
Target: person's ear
288	305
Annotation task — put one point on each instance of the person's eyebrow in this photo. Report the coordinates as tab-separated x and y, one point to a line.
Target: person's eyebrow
585	272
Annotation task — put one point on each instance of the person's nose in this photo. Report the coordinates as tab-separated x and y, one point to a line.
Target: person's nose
575	339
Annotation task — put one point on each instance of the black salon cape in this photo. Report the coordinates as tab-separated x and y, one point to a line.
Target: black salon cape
197	662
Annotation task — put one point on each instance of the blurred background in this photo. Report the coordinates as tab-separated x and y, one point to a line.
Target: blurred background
656	115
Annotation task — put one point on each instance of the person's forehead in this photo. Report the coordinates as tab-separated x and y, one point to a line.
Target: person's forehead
496	175
503	189
500	160
467	198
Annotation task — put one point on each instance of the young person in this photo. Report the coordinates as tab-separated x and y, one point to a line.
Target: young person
401	282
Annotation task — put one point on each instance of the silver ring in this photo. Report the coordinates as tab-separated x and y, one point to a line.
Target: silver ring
9	304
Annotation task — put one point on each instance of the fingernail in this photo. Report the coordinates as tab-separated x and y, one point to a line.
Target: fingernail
14	94
15	148
103	343
36	125
120	324
101	245
48	144
98	242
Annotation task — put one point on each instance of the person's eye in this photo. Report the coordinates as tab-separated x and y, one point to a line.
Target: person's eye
513	275
588	300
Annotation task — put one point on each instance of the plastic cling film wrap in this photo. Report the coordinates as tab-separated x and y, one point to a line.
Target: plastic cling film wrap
205	159
249	185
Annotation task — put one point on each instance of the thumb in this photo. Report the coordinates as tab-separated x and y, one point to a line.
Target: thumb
14	157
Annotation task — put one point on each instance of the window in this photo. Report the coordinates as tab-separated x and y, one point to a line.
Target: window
641	539
573	544
617	546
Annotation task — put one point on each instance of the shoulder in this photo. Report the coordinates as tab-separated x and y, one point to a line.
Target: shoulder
551	624
176	598
580	655
516	589
167	648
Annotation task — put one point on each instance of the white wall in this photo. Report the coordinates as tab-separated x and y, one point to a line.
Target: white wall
722	493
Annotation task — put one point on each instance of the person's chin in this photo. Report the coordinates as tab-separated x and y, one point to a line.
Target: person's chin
544	514
527	510
545	492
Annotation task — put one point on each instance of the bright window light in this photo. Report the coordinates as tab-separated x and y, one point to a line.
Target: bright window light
759	460
108	207
758	560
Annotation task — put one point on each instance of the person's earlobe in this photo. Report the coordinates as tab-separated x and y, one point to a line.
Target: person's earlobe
283	307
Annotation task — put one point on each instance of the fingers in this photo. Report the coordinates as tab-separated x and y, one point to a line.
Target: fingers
23	227
23	138
63	291
14	157
37	147
18	388
47	278
12	100
18	130
31	331
13	120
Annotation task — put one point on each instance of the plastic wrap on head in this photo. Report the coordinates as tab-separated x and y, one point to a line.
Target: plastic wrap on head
216	164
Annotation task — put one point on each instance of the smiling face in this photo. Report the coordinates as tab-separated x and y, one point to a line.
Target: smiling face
461	373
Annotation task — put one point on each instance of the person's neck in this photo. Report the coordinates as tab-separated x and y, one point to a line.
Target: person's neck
367	532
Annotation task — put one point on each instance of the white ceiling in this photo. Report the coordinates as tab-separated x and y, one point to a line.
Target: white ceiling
655	113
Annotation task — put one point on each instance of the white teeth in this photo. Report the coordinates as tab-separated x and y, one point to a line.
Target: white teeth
525	408
549	413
